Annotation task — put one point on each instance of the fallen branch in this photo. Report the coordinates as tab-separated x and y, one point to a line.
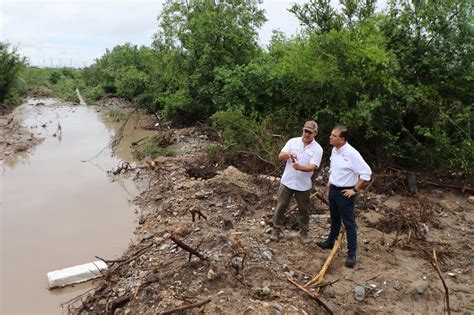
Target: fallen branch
128	259
462	188
186	307
435	264
198	212
118	303
311	295
319	278
187	247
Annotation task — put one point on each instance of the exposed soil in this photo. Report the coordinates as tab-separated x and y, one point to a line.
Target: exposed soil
242	271
13	136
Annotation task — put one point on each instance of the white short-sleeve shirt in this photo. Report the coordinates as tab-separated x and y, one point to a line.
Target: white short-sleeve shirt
347	166
311	154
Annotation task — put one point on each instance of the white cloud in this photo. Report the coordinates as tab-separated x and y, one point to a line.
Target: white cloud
78	31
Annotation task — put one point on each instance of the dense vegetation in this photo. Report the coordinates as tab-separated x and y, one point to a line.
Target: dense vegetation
400	79
11	65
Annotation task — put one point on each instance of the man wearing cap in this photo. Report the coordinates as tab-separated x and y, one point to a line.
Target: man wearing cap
348	172
303	156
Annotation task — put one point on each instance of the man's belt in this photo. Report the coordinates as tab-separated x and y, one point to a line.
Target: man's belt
340	188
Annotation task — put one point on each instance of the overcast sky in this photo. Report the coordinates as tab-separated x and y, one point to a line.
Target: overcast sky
75	32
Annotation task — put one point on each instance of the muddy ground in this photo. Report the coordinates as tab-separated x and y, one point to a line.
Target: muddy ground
13	137
239	270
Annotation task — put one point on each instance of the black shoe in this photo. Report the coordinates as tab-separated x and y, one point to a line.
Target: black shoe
351	261
325	245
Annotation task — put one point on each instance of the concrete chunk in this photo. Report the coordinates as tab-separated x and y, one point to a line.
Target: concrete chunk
76	274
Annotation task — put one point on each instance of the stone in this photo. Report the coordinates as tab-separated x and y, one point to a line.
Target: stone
397	286
250	311
286	267
267	255
359	293
102	301
470	199
392	203
211	275
266	291
372	217
448	205
419	290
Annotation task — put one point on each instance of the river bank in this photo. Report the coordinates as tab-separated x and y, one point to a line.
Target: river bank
224	217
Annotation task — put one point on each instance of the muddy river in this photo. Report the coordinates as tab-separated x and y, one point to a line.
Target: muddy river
57	211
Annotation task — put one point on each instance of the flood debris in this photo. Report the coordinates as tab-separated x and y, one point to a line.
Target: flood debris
204	236
76	274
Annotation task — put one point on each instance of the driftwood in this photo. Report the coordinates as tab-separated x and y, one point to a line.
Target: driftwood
197	212
435	264
118	303
319	278
311	295
187	248
186	307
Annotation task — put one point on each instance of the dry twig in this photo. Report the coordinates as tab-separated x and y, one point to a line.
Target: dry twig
319	278
186	307
435	263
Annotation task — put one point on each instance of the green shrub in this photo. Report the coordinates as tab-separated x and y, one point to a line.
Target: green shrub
152	149
11	65
116	114
213	150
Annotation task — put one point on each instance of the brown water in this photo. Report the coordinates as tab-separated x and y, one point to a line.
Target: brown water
57	211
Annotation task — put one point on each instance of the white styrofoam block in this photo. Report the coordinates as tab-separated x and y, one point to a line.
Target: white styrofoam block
76	274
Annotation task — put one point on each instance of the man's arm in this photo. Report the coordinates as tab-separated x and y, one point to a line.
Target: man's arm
283	156
305	167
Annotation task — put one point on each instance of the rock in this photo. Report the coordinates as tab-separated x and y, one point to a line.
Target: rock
448	205
451	274
147	237
266	291
359	293
250	311
392	203
470	199
397	286
102	301
371	217
267	255
419	290
211	275
200	195
286	267
289	274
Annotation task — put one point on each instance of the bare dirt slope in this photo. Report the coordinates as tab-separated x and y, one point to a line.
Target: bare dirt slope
241	271
13	137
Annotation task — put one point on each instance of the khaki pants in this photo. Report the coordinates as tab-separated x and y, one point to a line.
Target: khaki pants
283	200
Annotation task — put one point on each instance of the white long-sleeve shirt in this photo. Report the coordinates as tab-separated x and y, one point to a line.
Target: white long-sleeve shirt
311	154
347	166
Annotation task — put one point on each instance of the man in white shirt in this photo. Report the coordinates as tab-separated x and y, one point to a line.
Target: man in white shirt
303	156
348	172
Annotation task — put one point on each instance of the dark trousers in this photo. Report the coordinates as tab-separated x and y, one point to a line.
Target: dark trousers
284	197
342	208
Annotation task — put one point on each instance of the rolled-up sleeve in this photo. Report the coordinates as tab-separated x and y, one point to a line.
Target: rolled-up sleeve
317	156
361	168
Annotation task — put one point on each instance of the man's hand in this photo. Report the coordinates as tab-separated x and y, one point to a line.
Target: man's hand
349	193
293	157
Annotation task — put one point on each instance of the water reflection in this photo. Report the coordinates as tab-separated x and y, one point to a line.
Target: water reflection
57	211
